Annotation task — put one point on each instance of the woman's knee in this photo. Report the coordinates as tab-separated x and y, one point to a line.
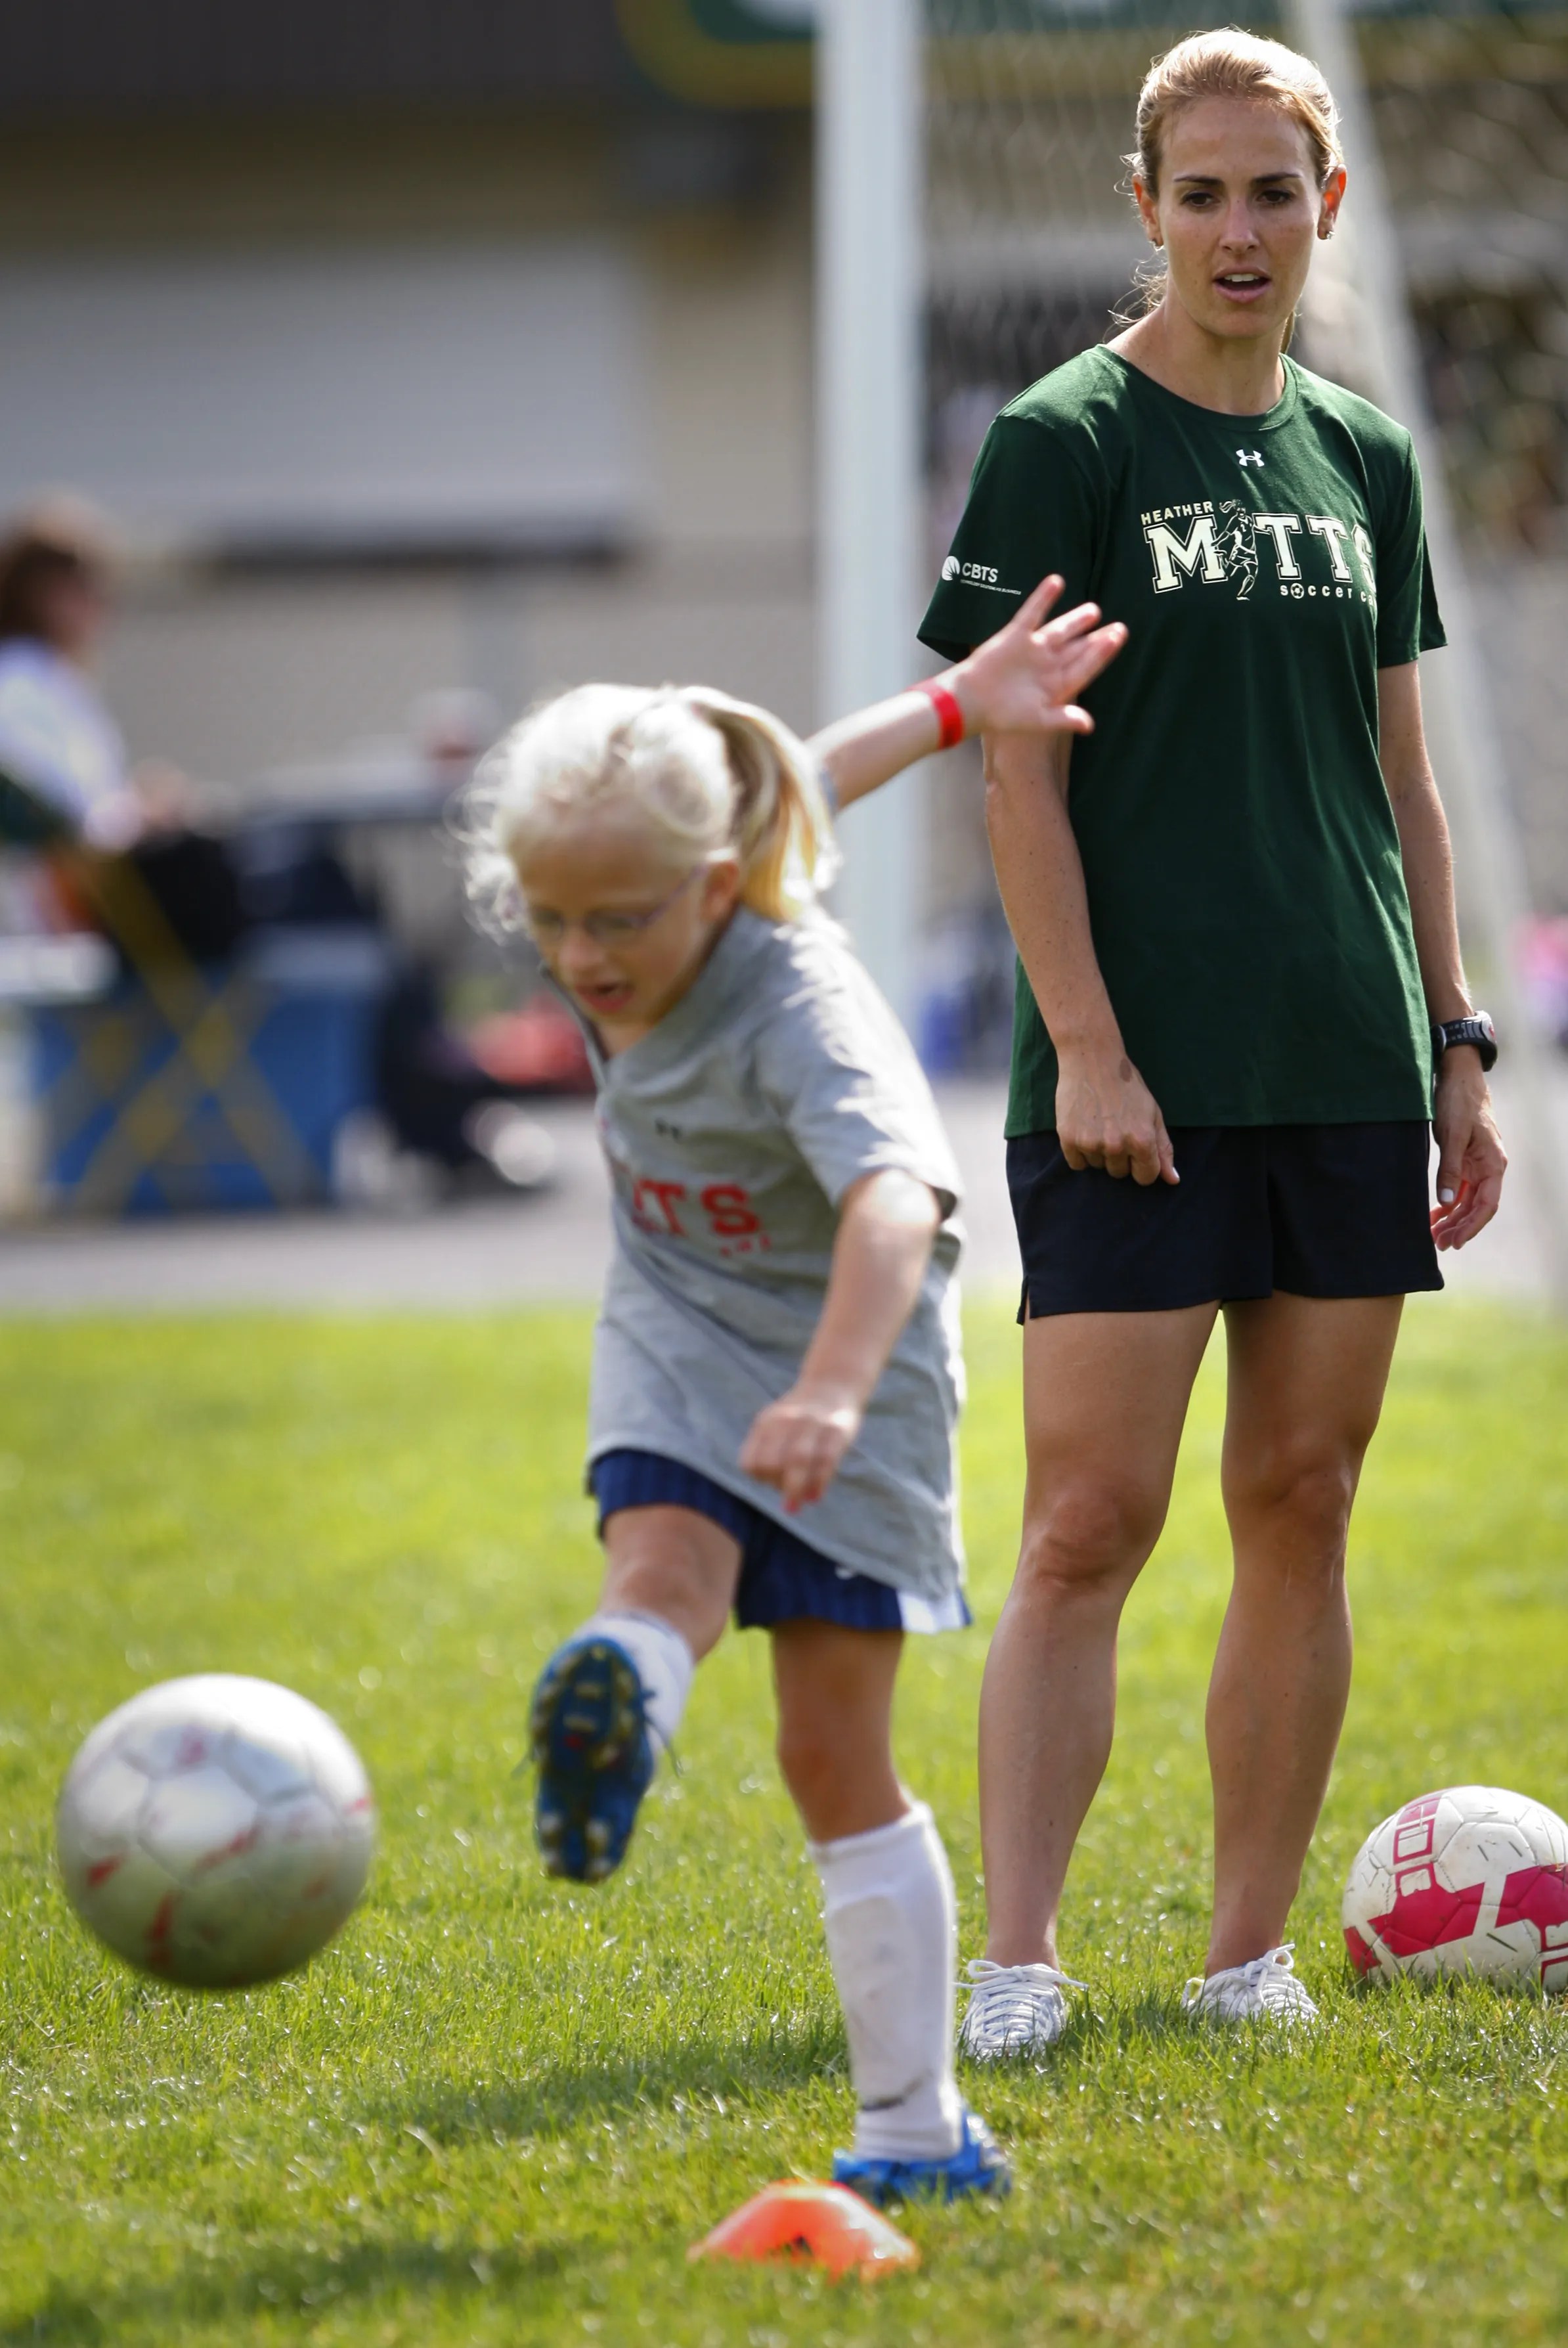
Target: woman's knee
1089	1535
1304	1492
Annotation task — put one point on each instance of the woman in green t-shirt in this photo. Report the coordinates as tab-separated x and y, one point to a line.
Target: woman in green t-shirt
1233	913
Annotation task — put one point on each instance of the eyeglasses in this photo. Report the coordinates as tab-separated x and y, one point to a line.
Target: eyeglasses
547	929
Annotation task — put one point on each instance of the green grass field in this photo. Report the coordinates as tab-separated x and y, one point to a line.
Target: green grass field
495	2111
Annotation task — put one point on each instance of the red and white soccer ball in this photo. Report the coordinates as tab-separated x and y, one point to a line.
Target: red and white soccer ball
1470	1881
216	1831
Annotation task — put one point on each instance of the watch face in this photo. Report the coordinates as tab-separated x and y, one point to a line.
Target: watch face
1475	1028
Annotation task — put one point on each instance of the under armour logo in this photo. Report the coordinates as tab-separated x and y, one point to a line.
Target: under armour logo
1245	457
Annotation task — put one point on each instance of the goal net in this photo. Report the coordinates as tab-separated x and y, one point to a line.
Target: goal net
1447	302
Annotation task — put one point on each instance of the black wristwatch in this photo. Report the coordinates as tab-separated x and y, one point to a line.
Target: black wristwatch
1476	1029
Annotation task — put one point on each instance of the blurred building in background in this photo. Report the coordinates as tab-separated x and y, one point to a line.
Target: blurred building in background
437	344
426	344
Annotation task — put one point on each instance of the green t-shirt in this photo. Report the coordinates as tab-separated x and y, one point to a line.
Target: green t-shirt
1246	891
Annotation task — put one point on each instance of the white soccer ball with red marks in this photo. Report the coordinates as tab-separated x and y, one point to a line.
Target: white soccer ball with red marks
1470	1881
216	1831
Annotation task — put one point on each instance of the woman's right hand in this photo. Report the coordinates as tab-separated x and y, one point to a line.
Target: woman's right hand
1107	1117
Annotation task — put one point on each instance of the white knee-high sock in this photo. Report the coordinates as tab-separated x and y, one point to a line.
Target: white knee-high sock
664	1663
891	1923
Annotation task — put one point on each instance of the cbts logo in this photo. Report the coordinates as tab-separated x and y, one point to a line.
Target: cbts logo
974	574
1245	457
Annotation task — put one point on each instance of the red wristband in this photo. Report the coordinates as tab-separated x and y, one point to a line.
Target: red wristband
950	716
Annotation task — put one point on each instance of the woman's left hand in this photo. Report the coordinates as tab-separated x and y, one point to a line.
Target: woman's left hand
797	1442
1471	1160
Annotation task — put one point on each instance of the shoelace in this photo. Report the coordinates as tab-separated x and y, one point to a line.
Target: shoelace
1013	1989
1272	1975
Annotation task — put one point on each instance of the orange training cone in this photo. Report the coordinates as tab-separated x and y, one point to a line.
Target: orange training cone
825	2222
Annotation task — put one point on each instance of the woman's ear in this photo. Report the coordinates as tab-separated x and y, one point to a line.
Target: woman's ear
1333	197
1148	211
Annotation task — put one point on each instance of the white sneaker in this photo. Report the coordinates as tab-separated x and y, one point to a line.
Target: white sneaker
1267	1990
1013	2009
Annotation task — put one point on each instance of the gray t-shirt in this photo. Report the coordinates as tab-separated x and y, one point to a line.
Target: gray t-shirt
733	1131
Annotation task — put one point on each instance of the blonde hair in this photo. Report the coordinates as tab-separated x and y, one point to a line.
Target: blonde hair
710	776
1229	63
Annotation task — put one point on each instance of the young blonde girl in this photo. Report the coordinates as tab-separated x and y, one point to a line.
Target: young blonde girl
777	1345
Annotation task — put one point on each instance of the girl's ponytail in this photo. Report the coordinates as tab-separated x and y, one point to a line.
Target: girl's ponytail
782	830
710	776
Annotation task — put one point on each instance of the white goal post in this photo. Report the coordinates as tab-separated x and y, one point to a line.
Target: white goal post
869	376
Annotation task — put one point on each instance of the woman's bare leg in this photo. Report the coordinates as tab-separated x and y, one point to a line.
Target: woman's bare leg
1105	1396
1306	1386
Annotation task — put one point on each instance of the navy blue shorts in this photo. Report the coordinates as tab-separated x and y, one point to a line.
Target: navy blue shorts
1314	1209
783	1578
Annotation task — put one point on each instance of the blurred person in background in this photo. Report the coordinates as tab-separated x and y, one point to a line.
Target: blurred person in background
63	773
65	789
100	845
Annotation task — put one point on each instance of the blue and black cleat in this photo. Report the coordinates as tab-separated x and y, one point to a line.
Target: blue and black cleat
594	1755
979	2166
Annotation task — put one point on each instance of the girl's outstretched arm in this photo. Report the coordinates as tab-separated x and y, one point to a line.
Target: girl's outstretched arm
1023	680
885	1226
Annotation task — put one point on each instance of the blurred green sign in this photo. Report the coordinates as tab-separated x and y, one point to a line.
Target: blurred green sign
726	53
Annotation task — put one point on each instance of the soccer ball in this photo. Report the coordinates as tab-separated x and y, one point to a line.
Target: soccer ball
215	1831
1470	1881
